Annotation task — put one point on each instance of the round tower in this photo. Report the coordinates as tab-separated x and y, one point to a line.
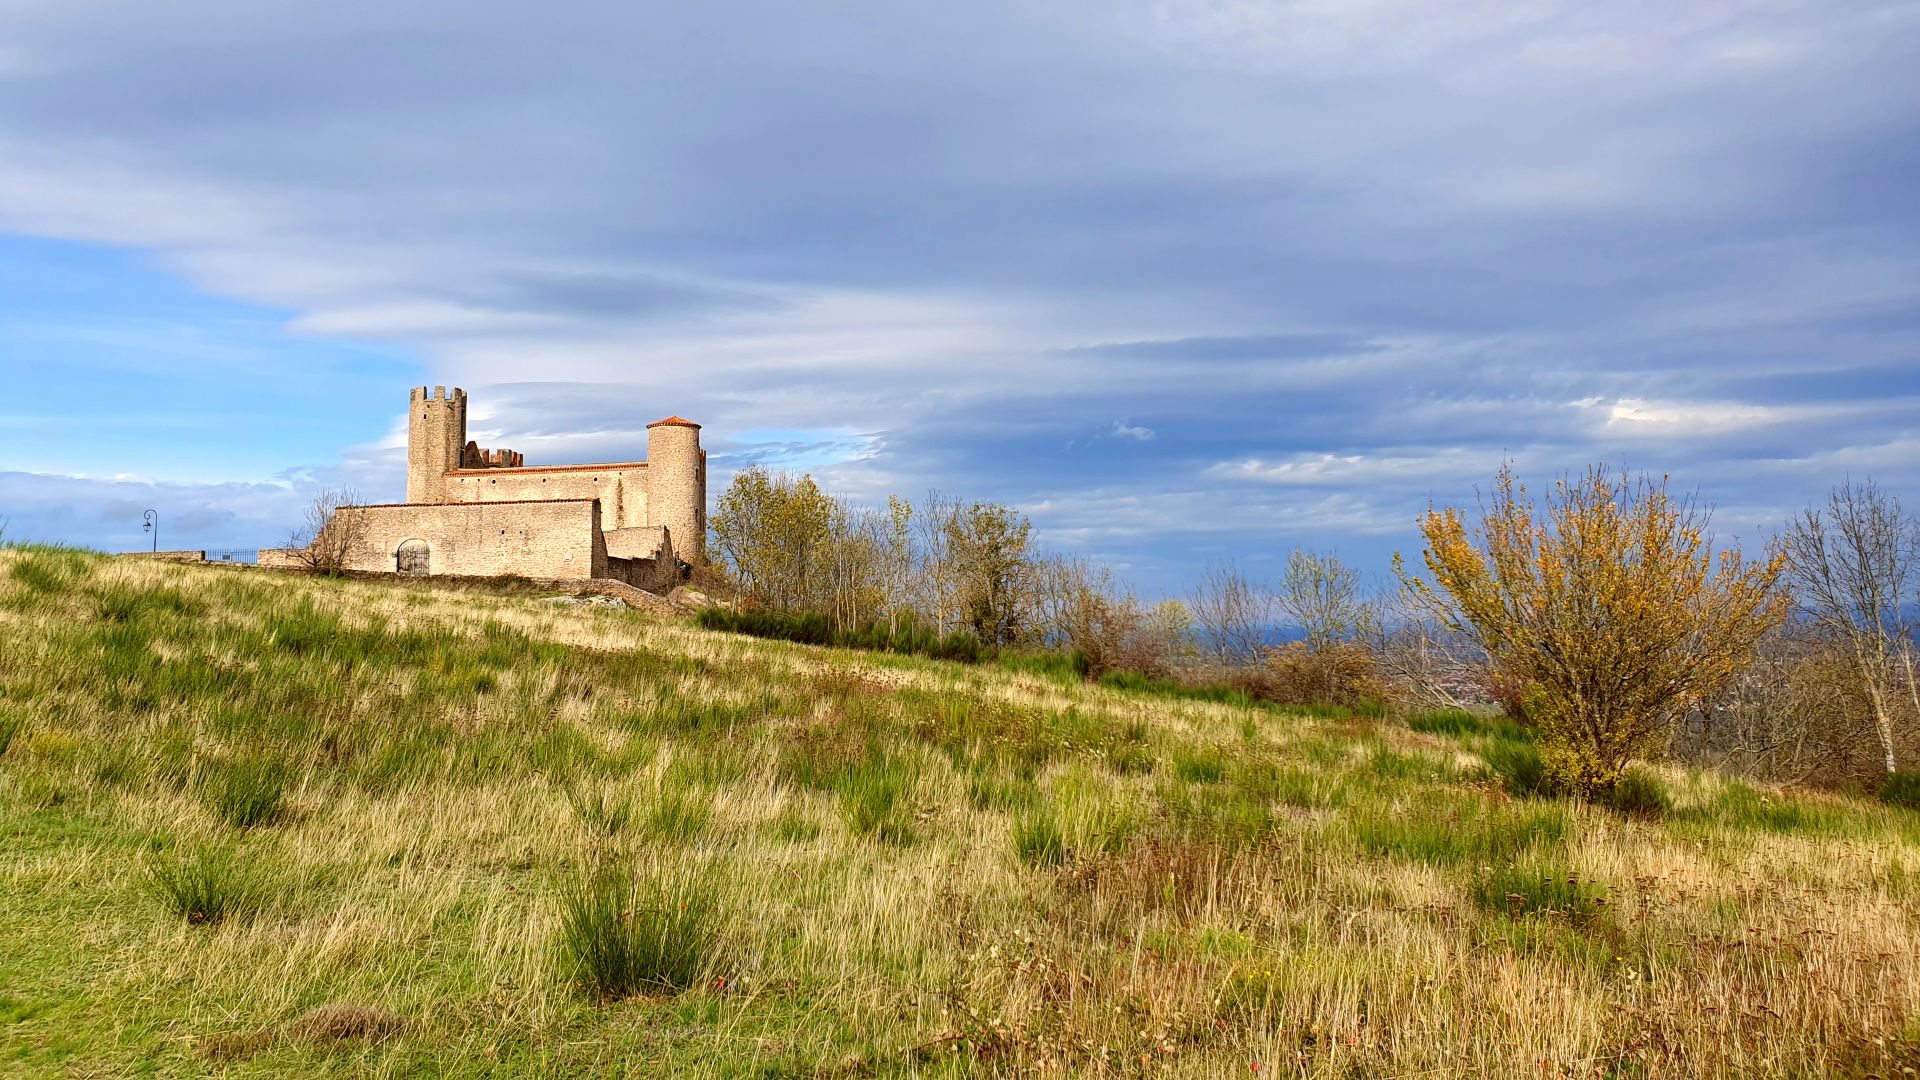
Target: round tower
436	432
677	485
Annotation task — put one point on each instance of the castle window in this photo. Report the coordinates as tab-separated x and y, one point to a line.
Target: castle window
411	557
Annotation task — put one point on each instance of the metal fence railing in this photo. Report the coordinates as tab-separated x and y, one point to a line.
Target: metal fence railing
235	555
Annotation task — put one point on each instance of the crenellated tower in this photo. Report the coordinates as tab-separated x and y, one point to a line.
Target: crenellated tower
677	485
436	435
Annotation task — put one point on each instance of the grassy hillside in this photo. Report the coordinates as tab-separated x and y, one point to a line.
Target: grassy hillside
267	826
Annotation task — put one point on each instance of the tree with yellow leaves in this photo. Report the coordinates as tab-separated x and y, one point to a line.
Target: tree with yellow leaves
1613	617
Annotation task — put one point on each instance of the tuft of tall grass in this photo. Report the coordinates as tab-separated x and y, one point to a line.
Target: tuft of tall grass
1065	668
1200	767
603	813
207	885
247	792
1519	768
10	725
1037	840
1540	886
622	935
678	815
1135	682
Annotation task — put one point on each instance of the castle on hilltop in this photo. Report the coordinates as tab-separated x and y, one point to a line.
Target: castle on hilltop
477	512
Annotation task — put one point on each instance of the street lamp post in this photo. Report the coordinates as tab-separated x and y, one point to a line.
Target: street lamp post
153	526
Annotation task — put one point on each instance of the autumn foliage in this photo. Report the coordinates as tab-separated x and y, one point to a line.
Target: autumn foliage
1613	616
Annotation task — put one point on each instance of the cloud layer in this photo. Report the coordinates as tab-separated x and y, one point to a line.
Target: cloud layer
1183	278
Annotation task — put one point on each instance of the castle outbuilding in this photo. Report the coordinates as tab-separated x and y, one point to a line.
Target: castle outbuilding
476	512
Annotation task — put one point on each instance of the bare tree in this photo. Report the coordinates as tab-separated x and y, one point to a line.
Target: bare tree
326	538
1792	717
1230	614
1423	660
1852	567
1321	596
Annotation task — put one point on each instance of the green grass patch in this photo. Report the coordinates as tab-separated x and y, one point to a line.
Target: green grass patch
1459	724
1135	682
1037	840
246	792
206	885
10	725
623	934
1518	767
1540	886
1451	832
1205	766
812	628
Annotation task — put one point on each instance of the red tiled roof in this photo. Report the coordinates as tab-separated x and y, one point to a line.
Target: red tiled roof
676	421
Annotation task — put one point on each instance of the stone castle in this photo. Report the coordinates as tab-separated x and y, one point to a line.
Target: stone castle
477	512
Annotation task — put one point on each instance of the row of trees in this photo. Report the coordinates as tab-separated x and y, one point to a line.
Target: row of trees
1603	615
788	545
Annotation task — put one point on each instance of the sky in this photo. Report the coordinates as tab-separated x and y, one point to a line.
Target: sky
1184	280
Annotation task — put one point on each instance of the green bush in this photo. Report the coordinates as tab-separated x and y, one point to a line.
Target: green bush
1900	789
1640	793
206	886
620	935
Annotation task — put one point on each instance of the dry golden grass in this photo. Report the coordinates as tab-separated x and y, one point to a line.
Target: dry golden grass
1240	892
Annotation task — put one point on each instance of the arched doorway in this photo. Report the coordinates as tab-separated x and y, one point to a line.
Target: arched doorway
411	557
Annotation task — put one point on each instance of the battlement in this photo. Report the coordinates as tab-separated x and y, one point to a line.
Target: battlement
439	394
475	456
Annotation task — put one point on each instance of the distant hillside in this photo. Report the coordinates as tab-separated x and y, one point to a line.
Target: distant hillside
263	825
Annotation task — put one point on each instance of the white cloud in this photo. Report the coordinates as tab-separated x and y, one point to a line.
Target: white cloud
1124	430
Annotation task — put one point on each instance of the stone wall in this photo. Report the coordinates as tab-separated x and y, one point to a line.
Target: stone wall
170	556
642	558
547	539
621	488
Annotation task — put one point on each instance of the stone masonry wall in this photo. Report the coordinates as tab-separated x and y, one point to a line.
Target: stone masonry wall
436	432
677	484
621	489
553	539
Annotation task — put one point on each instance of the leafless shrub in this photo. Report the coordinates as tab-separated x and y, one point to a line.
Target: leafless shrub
1423	662
1793	716
1230	614
326	538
